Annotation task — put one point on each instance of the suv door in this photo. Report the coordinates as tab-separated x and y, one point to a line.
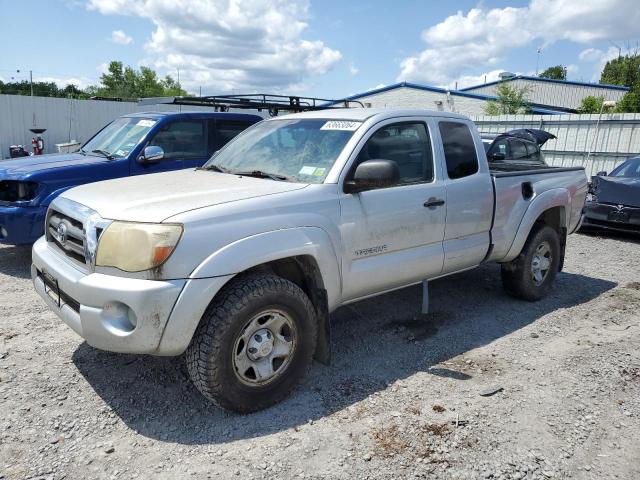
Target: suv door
391	237
183	142
469	197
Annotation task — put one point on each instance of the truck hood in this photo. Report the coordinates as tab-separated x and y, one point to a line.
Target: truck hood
33	164
154	198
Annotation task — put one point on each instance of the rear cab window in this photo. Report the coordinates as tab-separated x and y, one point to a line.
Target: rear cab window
459	149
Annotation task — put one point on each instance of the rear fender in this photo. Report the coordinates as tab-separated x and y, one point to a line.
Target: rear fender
557	197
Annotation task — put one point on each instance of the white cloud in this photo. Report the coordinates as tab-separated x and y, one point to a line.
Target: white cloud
61	82
472	80
225	45
599	58
484	37
353	70
121	38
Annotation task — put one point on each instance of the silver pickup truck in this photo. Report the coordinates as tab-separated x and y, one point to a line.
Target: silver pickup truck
238	264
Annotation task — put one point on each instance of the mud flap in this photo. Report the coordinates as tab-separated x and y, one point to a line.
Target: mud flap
323	345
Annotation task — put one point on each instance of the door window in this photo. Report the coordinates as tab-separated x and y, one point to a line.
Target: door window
222	131
408	145
533	151
499	146
459	149
181	139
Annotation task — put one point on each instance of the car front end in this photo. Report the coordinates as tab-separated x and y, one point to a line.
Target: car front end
21	218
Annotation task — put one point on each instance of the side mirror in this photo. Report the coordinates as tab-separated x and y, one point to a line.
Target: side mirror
601	174
498	156
151	154
373	174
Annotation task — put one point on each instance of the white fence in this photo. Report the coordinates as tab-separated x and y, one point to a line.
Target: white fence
582	139
65	119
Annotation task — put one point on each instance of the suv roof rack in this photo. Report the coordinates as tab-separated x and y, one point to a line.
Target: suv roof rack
257	101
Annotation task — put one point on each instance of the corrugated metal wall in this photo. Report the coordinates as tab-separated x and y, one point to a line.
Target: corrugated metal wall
553	93
616	138
64	119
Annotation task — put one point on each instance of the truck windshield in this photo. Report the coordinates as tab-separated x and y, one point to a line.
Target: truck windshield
119	137
300	150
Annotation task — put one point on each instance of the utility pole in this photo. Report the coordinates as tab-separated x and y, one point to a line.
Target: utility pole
31	81
538	51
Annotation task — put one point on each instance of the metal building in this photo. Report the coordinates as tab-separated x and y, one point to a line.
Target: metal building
413	95
565	94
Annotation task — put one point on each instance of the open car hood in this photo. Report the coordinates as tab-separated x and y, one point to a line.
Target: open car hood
538	136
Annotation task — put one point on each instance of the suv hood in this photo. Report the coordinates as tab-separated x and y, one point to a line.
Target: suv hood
154	198
26	165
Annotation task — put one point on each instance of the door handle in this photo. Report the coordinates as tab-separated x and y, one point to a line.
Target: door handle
433	203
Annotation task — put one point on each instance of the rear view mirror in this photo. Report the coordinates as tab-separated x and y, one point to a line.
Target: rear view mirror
601	174
373	174
498	156
151	154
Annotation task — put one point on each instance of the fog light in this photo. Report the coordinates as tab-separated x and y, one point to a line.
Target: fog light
119	318
3	233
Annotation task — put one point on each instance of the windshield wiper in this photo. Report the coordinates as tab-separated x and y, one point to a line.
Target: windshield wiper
261	174
215	168
104	153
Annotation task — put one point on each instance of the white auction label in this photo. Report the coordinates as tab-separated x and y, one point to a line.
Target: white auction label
341	125
146	123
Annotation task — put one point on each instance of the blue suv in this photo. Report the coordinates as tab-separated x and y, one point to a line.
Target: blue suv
134	144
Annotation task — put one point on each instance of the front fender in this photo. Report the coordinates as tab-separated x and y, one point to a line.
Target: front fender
266	247
557	197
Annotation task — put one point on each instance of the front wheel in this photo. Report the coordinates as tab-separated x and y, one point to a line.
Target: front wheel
531	274
254	343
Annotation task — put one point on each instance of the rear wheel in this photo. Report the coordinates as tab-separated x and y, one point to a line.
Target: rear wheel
531	274
254	343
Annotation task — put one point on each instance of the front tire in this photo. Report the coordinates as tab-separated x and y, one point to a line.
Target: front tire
254	343
531	274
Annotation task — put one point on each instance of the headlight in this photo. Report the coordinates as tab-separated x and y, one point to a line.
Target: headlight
136	247
16	191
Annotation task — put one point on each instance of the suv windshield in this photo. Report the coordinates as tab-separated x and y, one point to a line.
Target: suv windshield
119	137
297	150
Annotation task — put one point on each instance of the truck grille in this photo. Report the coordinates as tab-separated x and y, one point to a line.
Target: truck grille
67	234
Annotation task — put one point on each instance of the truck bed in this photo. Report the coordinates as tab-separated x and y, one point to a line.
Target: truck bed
516	187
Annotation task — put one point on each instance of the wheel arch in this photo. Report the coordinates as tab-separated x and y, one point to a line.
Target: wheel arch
549	208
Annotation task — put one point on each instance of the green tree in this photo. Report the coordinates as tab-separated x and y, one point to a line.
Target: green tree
125	82
509	100
624	70
556	73
591	104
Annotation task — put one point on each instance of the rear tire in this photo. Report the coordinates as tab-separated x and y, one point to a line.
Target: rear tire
254	343
531	274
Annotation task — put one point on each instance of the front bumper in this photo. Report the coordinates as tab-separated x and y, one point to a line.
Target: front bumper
121	314
611	217
21	225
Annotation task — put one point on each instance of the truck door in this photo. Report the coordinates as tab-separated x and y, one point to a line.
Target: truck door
392	236
184	145
469	197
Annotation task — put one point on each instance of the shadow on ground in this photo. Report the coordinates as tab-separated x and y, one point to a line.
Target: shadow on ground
15	261
612	234
375	342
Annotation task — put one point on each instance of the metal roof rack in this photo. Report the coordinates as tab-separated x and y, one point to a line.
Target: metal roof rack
258	101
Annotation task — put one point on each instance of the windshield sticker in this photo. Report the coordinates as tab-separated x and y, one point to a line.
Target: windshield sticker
122	153
146	123
306	170
318	172
341	125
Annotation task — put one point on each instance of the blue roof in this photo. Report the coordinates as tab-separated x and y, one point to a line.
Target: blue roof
550	80
535	107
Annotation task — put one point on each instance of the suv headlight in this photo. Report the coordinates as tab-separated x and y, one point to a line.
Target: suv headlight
136	247
17	191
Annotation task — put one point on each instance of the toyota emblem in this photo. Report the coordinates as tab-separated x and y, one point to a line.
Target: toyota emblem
62	233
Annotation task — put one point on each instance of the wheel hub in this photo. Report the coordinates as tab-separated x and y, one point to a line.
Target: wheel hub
260	345
541	263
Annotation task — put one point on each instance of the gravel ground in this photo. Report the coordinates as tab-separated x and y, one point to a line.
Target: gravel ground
403	398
